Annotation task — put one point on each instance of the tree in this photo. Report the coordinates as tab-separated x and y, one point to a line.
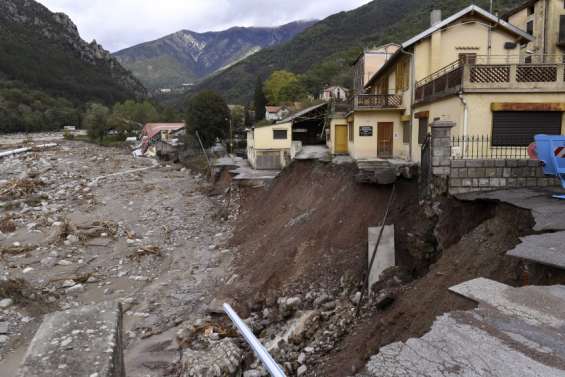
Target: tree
247	122
208	113
131	115
260	101
96	121
283	86
238	117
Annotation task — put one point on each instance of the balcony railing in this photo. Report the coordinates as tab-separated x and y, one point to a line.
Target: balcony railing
376	101
492	75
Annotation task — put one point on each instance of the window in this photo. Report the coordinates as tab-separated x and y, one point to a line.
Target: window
382	86
468	58
518	128
561	41
528	60
422	130
402	75
350	131
280	134
530	27
406	132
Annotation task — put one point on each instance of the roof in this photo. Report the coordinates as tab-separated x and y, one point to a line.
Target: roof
301	113
519	8
273	109
428	32
152	129
464	12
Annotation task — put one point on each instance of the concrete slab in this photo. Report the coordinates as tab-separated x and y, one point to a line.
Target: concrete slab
503	337
535	305
548	212
314	152
244	172
83	342
386	254
548	249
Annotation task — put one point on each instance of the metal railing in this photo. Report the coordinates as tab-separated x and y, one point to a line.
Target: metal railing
376	101
481	147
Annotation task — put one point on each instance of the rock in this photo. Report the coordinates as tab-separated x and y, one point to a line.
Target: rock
6	303
384	300
301	370
73	239
288	306
222	358
322	299
27	270
309	349
356	298
75	289
252	373
3	339
329	305
301	358
64	262
48	262
69	283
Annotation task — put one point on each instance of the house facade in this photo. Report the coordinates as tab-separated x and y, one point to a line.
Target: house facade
336	93
471	69
545	21
276	113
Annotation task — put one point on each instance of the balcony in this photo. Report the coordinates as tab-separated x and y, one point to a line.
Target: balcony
490	75
376	101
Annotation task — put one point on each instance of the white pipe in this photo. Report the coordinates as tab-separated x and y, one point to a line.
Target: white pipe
27	149
465	122
270	364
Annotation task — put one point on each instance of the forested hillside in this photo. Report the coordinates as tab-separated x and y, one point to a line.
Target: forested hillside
43	50
324	52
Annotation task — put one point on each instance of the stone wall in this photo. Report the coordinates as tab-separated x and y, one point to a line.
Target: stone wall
486	175
456	176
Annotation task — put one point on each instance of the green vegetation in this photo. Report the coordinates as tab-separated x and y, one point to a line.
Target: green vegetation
260	100
324	52
96	122
284	87
25	110
208	113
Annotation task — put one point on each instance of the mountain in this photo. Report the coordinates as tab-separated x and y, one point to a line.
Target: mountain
187	56
324	52
43	51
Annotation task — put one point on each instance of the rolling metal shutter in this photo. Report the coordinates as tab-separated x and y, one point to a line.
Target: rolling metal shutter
519	127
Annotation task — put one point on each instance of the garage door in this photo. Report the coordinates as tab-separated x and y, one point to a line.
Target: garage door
519	127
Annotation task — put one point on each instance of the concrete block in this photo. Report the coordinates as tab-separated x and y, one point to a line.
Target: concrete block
546	249
489	163
521	182
517	172
500	163
511	182
80	342
455	182
454	173
476	172
457	163
531	182
499	172
511	163
386	254
475	182
484	182
507	172
441	170
490	172
534	163
475	163
467	182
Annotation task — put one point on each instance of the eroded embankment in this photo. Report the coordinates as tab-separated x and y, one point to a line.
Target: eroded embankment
306	237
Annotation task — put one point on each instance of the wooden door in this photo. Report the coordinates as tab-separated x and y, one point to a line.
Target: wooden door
341	138
384	139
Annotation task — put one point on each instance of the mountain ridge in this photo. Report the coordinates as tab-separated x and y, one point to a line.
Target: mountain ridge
189	56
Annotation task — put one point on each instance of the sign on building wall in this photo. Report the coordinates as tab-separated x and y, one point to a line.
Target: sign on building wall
366	131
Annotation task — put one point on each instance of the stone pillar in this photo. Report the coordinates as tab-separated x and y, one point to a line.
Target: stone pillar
441	156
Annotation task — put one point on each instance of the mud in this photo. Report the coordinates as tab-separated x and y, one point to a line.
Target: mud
107	226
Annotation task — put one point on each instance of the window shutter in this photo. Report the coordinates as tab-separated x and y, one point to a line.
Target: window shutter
562	30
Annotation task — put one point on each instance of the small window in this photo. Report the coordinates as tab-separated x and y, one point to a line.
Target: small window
528	60
406	132
422	130
350	131
530	27
280	134
469	58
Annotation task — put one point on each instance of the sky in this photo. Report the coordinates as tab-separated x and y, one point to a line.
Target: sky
117	24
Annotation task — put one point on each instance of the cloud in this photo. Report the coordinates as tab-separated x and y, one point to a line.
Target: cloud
117	24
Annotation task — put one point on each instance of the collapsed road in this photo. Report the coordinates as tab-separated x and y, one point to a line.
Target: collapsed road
82	224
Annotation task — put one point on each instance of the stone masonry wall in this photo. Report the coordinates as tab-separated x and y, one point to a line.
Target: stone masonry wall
486	175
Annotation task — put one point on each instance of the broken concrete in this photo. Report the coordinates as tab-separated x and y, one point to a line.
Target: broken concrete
79	342
548	249
514	332
386	256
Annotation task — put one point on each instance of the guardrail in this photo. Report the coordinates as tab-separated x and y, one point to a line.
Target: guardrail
268	362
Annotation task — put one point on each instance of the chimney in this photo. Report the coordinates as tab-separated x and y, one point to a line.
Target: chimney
435	17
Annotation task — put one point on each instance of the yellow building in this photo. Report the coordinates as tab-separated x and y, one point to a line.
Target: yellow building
469	69
274	146
545	20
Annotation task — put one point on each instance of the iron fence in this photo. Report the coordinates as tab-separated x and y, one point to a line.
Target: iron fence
480	147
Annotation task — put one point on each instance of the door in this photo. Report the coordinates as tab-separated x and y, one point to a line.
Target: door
341	138
384	139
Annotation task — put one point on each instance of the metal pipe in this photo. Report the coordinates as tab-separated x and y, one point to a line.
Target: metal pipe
268	362
465	123
412	96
